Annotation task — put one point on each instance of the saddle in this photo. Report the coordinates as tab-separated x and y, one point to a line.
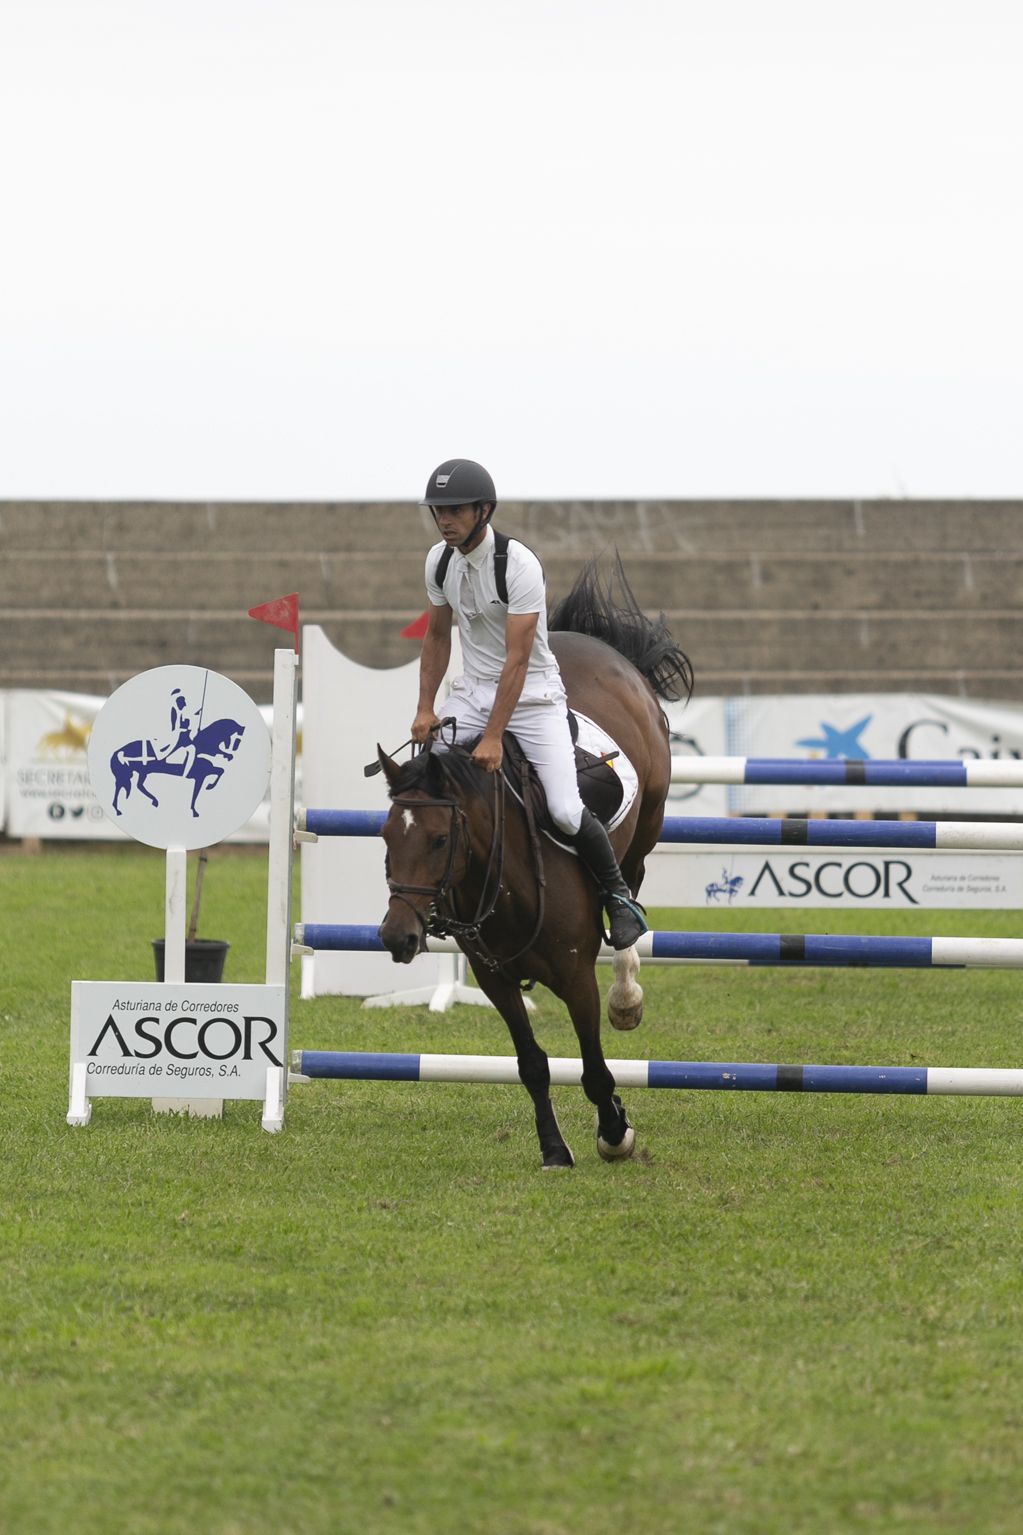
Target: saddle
600	788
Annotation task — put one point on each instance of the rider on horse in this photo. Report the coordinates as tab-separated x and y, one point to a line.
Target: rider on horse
511	678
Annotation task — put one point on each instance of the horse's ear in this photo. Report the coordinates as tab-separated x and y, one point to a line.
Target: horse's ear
388	766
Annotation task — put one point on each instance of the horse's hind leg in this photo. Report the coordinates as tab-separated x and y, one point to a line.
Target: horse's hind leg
615	1136
533	1067
140	785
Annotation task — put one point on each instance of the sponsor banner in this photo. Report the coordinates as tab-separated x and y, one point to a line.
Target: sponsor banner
144	1039
863	726
44	770
49	794
895	880
697	729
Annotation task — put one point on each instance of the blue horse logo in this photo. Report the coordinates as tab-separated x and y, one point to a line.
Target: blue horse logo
199	755
730	886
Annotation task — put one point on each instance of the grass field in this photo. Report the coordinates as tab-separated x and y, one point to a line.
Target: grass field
785	1314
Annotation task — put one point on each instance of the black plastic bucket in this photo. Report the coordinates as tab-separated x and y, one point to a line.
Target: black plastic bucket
204	960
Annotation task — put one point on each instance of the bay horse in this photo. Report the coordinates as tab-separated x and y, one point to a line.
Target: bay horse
464	856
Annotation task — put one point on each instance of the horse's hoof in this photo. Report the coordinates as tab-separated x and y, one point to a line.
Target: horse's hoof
559	1161
626	1146
625	1018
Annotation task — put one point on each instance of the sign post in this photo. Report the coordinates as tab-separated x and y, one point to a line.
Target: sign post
179	758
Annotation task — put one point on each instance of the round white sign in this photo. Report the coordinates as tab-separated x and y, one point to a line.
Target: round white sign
179	757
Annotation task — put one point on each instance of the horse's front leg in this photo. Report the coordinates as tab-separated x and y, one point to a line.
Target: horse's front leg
206	780
625	998
532	1063
615	1136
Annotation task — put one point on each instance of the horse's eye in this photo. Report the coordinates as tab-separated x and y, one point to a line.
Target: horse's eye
439	842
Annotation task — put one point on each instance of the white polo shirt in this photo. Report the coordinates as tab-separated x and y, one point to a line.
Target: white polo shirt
470	590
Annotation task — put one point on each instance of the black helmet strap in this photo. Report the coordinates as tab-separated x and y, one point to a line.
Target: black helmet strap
482	518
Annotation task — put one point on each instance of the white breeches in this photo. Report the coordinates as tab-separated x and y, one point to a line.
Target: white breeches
540	725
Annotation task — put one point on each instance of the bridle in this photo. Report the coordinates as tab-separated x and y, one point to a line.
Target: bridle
437	892
439	924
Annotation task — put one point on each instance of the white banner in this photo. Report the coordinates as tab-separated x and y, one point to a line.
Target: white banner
48	789
697	729
863	726
141	1040
891	879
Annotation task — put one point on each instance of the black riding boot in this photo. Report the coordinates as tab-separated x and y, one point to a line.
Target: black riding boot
594	848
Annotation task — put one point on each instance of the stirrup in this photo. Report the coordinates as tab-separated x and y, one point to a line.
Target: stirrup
633	909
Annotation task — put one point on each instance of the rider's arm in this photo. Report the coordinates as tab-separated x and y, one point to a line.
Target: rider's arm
520	632
433	663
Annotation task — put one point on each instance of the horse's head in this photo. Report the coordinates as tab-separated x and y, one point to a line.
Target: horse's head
222	737
427	849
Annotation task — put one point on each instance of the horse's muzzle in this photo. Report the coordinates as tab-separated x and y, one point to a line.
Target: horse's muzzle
402	943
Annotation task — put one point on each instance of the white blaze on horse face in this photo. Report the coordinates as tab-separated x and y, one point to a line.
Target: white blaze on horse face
408	819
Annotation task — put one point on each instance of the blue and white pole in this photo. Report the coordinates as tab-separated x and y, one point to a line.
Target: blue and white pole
793	949
898	773
762	831
714	1076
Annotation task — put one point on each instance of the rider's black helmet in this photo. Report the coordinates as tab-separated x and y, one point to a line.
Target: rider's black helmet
458	481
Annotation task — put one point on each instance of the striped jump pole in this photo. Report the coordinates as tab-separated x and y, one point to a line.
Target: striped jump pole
809	949
905	774
794	831
715	1076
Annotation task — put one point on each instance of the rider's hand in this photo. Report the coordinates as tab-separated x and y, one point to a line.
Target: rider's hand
424	723
489	753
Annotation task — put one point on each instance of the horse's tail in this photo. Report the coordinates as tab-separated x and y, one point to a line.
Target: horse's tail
609	611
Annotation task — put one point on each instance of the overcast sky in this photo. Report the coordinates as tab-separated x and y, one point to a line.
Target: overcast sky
309	248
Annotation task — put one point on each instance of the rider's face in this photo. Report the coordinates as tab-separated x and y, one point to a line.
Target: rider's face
456	523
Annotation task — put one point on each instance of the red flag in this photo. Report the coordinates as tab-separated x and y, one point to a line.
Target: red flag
282	612
417	629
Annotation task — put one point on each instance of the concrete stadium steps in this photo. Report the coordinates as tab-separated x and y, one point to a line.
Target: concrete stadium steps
737	527
208	581
732	652
807	582
241	529
799	596
576	528
205	582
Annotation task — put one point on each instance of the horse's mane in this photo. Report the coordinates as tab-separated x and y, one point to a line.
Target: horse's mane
595	607
438	772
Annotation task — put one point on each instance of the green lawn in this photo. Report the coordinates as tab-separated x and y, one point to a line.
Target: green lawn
785	1314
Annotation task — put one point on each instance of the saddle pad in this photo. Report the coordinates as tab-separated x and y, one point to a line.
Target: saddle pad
593	739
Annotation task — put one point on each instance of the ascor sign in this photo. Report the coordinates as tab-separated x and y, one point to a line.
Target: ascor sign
214	1041
741	876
